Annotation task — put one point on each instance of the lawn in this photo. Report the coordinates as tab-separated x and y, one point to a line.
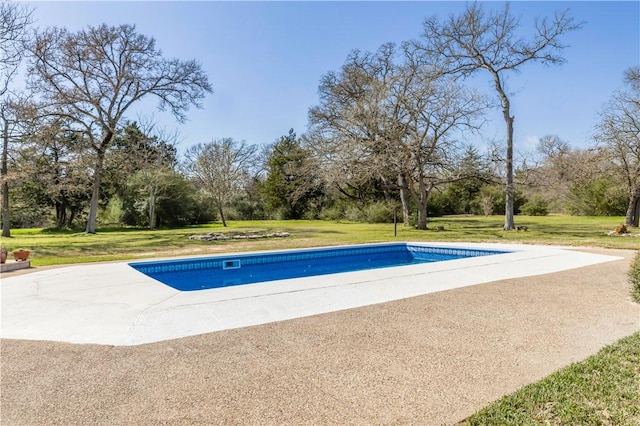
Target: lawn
52	246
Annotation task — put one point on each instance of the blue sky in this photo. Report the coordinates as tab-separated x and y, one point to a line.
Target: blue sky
265	59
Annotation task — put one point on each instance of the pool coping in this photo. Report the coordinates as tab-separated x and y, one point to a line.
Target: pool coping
114	304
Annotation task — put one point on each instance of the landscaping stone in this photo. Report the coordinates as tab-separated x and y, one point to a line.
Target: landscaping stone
213	236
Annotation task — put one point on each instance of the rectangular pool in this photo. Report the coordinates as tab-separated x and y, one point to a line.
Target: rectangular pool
241	269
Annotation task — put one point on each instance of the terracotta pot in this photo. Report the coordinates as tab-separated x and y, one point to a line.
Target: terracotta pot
20	255
3	257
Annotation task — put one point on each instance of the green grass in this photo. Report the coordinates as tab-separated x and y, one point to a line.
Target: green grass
604	389
64	246
634	277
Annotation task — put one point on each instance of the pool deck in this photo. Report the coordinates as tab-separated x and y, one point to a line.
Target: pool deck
431	359
113	304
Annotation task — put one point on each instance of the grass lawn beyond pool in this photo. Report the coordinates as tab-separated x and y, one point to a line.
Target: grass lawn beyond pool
54	246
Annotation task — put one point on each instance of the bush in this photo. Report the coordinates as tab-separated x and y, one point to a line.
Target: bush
354	214
31	216
112	213
536	206
379	212
376	212
334	213
634	278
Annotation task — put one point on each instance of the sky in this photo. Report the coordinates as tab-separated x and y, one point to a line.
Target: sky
265	59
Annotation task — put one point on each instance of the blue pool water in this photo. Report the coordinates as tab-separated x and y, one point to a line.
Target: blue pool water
230	270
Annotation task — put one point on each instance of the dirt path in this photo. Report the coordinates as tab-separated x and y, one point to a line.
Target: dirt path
433	359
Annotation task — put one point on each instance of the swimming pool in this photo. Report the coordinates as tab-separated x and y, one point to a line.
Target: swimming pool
251	268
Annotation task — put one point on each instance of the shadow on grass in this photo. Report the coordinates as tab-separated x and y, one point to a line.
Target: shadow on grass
319	231
60	231
106	229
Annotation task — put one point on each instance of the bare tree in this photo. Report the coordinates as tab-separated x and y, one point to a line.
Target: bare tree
357	124
220	168
550	171
619	131
475	40
94	76
15	19
387	114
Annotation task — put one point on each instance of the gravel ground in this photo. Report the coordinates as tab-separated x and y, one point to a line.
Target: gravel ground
433	359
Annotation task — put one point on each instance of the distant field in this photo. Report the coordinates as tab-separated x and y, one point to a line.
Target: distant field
52	246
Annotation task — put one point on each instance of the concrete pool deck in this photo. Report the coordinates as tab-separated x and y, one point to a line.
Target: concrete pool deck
432	359
113	304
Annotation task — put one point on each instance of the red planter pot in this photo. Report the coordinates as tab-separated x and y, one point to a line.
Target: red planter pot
20	255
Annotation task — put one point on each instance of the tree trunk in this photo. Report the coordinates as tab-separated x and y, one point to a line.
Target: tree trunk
6	215
72	216
405	199
152	207
6	219
61	215
220	203
224	222
95	194
633	211
422	206
509	223
97	181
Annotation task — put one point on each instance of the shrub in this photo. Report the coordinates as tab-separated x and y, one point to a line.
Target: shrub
354	214
379	212
536	206
634	278
334	213
112	213
376	212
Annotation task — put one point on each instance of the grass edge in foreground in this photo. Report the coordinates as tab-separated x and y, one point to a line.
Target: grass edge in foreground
634	277
602	389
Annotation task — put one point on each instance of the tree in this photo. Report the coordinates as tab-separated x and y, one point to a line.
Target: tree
220	168
145	159
292	180
551	172
387	117
15	19
474	41
470	175
12	121
52	159
619	131
94	76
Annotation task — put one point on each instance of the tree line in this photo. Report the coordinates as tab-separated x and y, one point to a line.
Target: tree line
386	136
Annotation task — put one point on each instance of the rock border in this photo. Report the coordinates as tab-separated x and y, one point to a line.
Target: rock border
251	235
